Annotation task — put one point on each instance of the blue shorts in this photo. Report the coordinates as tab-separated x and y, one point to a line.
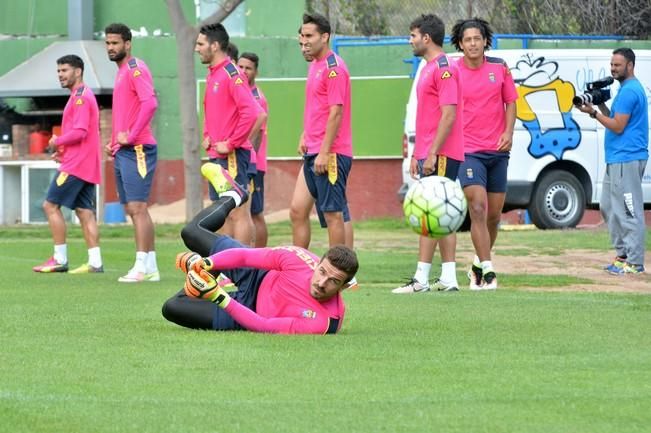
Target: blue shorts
238	164
134	172
257	196
329	190
247	280
444	166
487	169
323	222
70	191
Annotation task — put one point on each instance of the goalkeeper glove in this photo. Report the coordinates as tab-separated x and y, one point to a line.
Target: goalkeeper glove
192	261
203	285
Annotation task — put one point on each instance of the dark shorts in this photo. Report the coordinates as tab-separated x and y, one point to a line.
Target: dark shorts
239	167
323	222
257	196
329	190
444	166
70	191
247	280
487	169
134	172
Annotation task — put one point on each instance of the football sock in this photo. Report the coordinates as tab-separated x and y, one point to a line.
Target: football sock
150	263
422	273
61	253
487	266
449	273
476	262
141	260
234	195
94	257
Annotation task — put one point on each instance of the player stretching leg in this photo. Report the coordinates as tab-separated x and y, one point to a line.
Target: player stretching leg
284	290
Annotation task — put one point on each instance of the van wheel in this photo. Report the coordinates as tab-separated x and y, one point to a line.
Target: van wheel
558	201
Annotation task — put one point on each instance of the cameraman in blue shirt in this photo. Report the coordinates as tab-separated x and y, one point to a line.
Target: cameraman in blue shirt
627	152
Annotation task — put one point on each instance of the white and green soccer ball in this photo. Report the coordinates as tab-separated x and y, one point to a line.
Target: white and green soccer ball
435	206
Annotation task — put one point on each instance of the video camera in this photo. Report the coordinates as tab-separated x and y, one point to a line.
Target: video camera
595	93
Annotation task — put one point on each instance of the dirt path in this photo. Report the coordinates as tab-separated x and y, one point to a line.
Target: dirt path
580	263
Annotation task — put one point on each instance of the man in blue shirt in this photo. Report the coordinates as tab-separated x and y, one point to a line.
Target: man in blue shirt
627	152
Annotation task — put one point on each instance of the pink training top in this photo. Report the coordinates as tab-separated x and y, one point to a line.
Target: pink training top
439	84
261	154
328	84
229	108
134	103
80	136
284	304
485	91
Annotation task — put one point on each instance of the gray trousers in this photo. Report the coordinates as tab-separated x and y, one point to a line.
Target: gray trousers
622	206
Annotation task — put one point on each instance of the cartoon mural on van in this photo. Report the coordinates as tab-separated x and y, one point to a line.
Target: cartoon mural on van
552	133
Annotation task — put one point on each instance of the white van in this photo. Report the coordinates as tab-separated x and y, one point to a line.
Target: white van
557	161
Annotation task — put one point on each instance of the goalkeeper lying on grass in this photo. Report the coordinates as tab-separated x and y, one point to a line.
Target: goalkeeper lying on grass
284	290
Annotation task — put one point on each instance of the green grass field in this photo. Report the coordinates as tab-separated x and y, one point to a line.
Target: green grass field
82	353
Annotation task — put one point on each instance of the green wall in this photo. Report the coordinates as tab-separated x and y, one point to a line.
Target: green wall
378	104
378	115
37	17
273	18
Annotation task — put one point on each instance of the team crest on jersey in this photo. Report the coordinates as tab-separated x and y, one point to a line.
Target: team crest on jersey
238	81
79	101
332	74
309	314
446	75
491	77
136	73
215	87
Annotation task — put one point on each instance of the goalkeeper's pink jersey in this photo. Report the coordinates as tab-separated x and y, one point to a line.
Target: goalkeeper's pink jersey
284	304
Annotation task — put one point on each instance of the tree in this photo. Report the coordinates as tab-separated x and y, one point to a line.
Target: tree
186	35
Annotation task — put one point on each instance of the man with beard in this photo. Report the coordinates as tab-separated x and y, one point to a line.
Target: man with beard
627	151
285	290
78	151
133	146
230	113
439	142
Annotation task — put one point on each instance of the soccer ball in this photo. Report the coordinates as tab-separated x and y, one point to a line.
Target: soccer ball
435	206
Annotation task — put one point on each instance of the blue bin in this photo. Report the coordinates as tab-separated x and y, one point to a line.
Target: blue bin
114	213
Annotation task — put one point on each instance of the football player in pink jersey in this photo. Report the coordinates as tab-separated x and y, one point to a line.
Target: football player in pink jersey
439	142
285	290
248	63
489	97
230	112
134	147
326	142
78	150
